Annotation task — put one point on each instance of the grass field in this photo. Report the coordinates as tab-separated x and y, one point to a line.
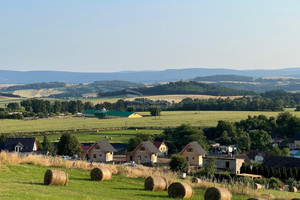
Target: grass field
96	136
167	119
26	182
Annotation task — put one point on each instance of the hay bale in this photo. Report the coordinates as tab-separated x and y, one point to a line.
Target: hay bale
255	199
292	189
257	186
55	177
100	174
217	193
195	180
180	190
156	183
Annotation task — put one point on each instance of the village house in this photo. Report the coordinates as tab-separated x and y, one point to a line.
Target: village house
256	156
144	153
162	148
218	149
100	151
193	153
20	145
297	141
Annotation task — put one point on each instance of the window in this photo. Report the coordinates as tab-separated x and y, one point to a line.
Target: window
142	148
18	148
100	155
145	156
227	164
94	155
97	147
189	150
193	158
187	158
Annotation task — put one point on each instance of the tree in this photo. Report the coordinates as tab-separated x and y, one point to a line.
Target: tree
210	166
177	138
248	169
283	173
260	170
47	145
135	141
243	168
13	106
260	139
266	172
68	145
178	163
155	111
254	169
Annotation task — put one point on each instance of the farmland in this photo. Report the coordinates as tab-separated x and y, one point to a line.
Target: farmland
167	119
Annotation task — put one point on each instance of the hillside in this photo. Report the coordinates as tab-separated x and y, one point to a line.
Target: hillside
180	87
20	77
60	89
253	84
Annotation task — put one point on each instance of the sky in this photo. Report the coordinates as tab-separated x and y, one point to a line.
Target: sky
115	35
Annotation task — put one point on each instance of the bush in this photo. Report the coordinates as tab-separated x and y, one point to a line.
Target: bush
223	176
178	163
155	111
274	183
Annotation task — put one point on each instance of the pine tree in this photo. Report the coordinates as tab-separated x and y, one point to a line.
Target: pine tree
248	169
283	173
266	172
295	172
47	145
243	168
290	173
272	172
260	170
254	169
278	172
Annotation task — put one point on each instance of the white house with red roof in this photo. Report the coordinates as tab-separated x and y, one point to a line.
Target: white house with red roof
162	148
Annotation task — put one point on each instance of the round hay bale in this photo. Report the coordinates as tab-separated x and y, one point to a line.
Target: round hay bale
195	180
156	183
292	189
55	177
217	193
257	186
295	199
255	199
180	190
100	174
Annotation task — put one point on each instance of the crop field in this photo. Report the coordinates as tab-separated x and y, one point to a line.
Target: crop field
26	182
117	136
167	119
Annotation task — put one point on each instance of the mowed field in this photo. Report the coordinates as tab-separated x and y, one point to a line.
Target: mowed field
116	136
167	119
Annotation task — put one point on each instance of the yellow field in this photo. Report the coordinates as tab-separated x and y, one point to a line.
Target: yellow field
167	119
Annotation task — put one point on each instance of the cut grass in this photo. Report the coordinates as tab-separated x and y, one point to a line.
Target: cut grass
167	119
96	136
26	182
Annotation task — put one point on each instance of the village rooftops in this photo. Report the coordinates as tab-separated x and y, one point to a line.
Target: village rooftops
148	145
27	144
197	147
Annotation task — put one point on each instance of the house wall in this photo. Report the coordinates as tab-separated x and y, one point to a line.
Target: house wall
232	165
193	158
297	144
163	150
141	156
98	155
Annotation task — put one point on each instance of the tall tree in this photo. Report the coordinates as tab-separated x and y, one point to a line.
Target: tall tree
68	145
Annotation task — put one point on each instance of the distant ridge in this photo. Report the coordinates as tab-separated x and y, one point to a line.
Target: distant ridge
20	77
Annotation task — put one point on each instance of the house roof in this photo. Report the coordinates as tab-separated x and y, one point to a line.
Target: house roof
148	145
282	161
252	153
236	156
197	147
158	144
106	146
28	144
119	113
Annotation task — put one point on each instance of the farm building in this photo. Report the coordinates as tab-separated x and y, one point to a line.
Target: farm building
193	153
144	153
162	148
112	114
101	151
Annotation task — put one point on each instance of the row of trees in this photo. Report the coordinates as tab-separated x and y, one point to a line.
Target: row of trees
265	171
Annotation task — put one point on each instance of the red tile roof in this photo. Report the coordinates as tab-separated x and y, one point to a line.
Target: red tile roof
157	144
85	147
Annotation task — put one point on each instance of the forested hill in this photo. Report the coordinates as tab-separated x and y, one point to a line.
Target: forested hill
36	86
181	87
224	78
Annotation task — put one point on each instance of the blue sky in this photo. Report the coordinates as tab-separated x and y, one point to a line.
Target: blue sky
106	36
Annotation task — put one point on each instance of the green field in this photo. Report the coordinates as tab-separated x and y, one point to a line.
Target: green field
118	136
26	182
167	119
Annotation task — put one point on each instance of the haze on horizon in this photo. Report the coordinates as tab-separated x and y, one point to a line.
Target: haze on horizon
109	36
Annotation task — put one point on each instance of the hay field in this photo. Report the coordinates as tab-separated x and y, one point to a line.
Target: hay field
167	119
101	135
25	182
32	93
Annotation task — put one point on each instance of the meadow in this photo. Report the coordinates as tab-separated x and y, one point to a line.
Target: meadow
116	136
167	119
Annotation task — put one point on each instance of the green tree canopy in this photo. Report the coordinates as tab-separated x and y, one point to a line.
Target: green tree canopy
178	163
68	145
